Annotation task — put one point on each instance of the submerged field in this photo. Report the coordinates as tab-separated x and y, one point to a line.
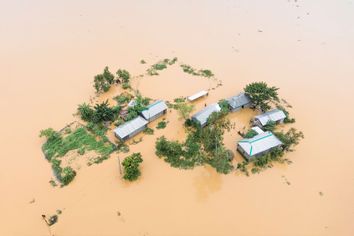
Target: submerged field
50	52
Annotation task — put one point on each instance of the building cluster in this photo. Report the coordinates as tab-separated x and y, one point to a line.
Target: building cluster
250	148
139	124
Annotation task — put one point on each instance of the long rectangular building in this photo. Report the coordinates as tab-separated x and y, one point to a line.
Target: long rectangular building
258	145
130	128
202	116
197	95
154	110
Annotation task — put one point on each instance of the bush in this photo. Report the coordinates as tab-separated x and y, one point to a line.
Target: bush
67	175
131	167
86	112
161	125
221	161
250	134
123	98
290	139
102	82
124	75
149	131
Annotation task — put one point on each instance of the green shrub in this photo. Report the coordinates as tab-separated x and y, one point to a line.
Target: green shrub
161	125
250	134
102	82
86	112
124	75
149	131
67	175
131	167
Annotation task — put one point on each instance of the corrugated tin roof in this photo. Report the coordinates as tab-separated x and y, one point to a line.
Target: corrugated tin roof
197	95
130	127
239	100
260	143
273	115
154	109
258	130
203	115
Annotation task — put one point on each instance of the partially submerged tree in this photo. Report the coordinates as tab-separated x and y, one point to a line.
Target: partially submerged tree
261	95
131	167
123	75
102	82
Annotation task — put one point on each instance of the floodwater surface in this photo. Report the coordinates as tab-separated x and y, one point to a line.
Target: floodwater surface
50	51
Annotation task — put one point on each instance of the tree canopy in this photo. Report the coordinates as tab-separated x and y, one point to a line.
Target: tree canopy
261	95
102	82
131	167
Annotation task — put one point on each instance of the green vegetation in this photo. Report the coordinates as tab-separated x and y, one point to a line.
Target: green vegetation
131	167
101	112
184	108
287	119
123	98
270	126
80	139
161	65
142	61
250	134
202	146
140	104
102	82
123	76
290	139
261	95
224	105
202	72
161	125
149	131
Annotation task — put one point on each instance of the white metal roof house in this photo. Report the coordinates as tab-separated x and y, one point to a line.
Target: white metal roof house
154	110
275	115
130	128
258	145
239	101
202	116
197	95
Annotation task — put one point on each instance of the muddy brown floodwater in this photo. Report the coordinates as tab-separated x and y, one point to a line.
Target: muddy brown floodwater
50	50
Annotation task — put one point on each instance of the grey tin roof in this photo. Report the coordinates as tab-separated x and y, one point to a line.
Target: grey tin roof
273	115
154	109
203	115
197	95
239	100
259	143
130	127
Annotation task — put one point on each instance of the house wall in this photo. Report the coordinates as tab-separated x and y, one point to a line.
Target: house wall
132	134
239	108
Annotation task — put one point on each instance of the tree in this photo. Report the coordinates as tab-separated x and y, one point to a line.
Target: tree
86	112
291	138
221	161
261	95
103	112
102	82
131	167
124	75
184	109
